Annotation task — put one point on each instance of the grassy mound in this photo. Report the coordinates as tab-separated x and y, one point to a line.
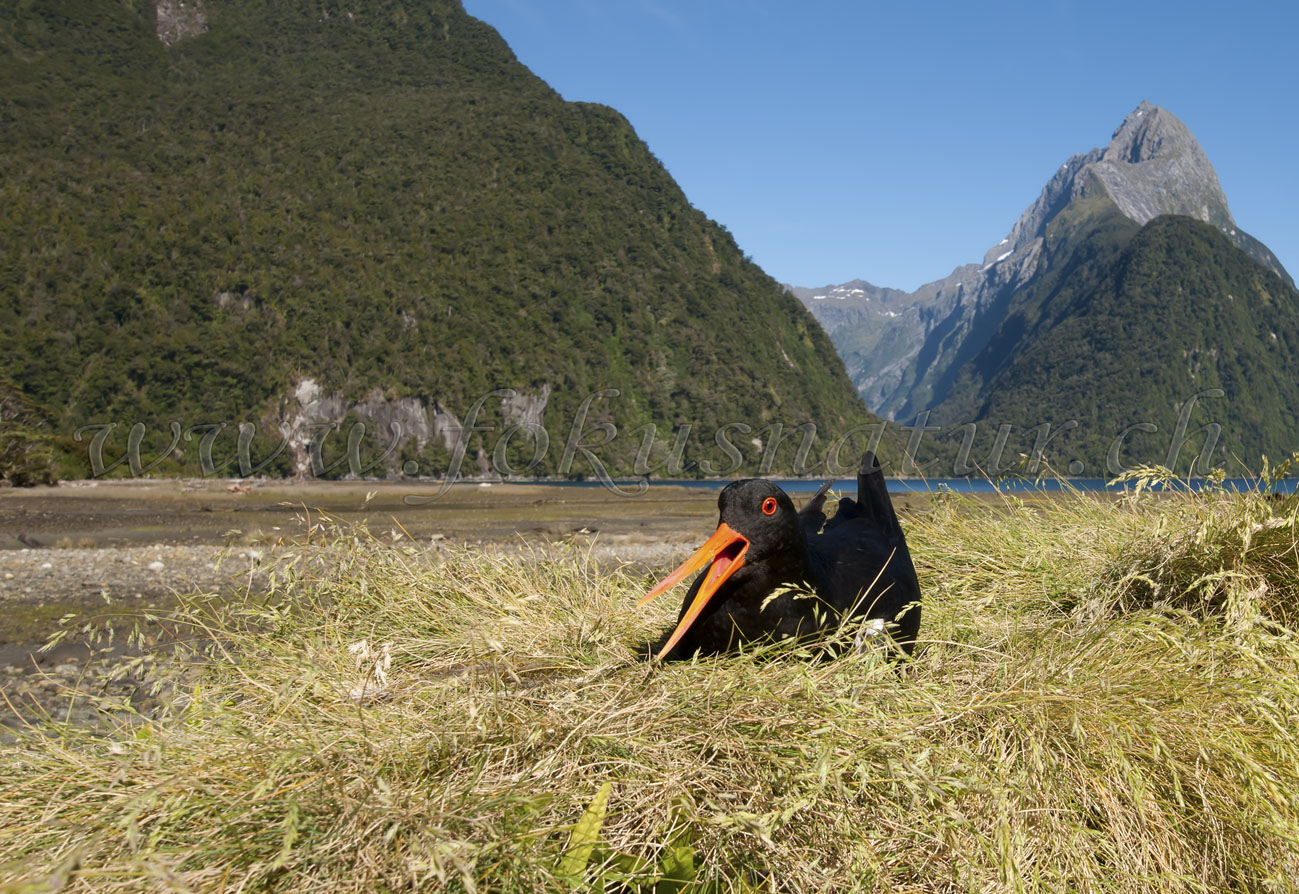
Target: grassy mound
484	723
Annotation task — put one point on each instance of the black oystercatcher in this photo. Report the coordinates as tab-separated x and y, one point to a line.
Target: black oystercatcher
772	572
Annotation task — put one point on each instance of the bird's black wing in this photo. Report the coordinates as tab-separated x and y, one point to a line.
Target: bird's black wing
861	563
873	498
811	518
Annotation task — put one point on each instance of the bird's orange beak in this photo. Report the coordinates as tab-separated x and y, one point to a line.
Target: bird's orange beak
725	551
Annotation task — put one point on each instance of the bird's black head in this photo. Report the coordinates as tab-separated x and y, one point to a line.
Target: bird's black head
765	516
758	538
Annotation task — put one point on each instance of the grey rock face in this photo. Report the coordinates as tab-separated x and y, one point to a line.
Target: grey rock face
179	19
902	349
1060	190
308	408
407	416
445	425
525	410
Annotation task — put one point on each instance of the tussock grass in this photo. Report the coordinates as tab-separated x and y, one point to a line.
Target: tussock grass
1106	699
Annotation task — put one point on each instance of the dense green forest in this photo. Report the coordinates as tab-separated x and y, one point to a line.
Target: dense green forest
380	199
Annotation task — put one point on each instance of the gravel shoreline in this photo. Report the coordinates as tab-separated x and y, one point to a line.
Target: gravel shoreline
83	682
90	684
57	575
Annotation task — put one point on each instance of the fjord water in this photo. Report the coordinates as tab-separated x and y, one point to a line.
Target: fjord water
635	486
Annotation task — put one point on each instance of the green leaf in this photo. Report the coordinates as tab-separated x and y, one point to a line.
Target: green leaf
678	868
585	835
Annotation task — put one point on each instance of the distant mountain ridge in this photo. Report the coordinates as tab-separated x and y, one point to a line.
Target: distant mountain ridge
905	351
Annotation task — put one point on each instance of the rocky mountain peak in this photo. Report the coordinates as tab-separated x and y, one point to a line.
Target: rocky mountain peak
1153	166
1147	133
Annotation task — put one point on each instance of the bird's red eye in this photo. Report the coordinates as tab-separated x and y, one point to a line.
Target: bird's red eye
769	506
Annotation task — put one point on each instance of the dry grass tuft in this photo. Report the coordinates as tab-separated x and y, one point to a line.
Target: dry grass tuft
1090	711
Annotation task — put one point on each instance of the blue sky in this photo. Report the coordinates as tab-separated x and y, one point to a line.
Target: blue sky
896	141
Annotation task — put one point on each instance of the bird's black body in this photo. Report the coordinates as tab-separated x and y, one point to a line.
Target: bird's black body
800	575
